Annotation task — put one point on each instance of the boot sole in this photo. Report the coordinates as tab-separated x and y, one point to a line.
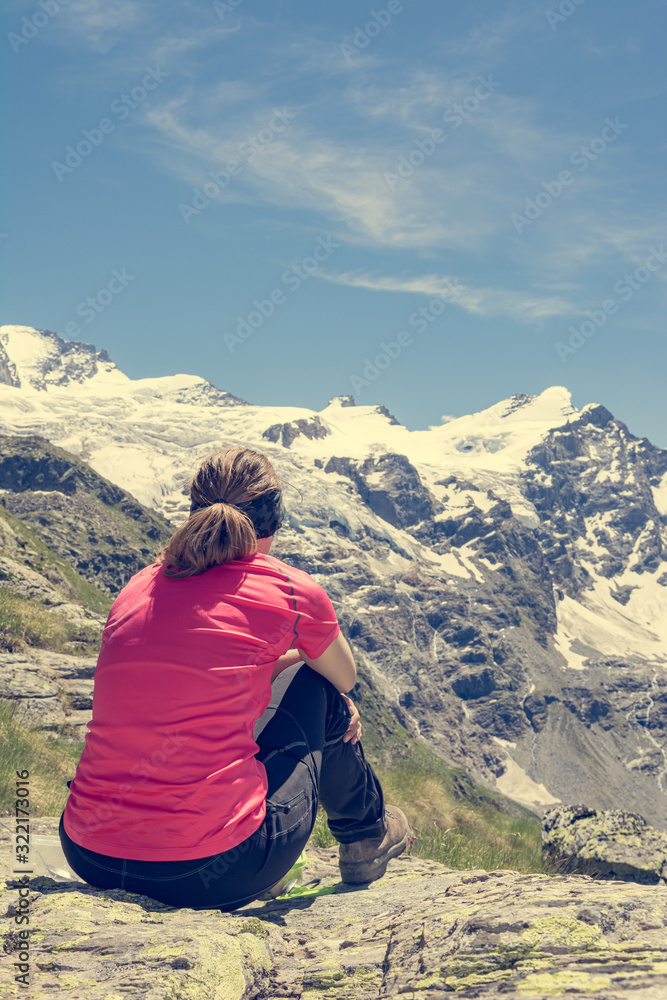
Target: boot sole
360	872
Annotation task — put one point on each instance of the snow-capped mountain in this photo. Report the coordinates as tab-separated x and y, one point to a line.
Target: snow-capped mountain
502	576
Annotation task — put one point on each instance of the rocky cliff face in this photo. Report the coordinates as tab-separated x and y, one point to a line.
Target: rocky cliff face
504	576
593	485
482	663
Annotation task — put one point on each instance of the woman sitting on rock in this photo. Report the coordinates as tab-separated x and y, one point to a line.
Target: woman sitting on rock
219	716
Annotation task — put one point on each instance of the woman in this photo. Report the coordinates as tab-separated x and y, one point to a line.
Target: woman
219	716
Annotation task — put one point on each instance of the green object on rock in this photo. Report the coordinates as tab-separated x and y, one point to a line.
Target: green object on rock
308	890
292	878
290	885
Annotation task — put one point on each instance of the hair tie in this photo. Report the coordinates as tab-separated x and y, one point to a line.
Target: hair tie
227	502
266	511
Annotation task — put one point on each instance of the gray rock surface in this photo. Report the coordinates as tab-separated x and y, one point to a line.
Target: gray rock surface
287	433
608	844
52	691
422	931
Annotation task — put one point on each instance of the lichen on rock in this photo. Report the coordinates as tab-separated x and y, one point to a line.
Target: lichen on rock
421	931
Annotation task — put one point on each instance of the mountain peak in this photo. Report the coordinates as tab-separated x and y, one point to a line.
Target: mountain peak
342	400
41	359
555	401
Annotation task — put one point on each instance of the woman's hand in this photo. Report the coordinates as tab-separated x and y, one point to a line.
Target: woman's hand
353	734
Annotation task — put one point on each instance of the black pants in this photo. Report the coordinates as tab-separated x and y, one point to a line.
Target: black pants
301	746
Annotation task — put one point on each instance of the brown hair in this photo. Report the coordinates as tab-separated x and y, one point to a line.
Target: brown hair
217	532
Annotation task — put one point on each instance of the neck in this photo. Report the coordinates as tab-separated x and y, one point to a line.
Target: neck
264	544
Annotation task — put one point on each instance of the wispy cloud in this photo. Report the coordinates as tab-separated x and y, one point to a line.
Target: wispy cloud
131	31
101	24
459	198
352	128
335	159
604	243
169	47
323	57
520	306
334	177
494	34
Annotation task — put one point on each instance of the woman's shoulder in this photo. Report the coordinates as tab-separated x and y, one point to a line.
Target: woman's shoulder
299	581
285	570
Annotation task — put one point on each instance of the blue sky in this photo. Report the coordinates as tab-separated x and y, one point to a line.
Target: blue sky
274	193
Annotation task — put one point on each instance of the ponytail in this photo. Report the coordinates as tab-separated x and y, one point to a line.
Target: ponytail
236	499
211	536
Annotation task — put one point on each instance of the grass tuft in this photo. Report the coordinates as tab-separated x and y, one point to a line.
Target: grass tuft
459	824
462	837
25	623
51	763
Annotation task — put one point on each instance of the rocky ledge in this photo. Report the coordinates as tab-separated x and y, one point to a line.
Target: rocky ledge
52	691
421	931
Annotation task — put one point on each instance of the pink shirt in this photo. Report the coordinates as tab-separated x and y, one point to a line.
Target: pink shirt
168	771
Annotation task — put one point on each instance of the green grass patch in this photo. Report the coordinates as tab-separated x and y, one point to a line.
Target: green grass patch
51	763
322	835
132	529
460	829
25	623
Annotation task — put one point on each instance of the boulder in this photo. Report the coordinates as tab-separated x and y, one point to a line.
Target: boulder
605	843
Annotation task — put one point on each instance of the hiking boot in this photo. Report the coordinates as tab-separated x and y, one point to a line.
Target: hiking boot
366	860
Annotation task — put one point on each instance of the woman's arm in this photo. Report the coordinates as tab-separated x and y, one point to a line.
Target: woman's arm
336	664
